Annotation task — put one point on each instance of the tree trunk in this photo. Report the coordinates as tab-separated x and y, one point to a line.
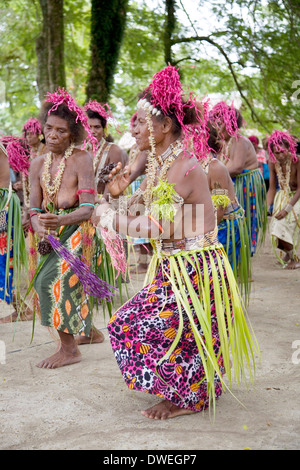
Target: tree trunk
107	29
170	24
50	48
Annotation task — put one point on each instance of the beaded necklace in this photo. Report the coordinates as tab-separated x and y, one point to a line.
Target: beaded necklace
160	164
52	189
99	153
284	179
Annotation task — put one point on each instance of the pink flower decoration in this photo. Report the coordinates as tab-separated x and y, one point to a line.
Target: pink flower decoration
61	96
33	125
279	140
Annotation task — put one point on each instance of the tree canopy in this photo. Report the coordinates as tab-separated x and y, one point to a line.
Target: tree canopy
223	48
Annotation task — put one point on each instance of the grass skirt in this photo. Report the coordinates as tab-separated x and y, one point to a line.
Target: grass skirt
13	254
250	190
173	338
287	229
233	234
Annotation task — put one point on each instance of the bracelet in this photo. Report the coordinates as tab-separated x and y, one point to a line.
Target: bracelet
288	208
107	219
90	191
86	204
36	209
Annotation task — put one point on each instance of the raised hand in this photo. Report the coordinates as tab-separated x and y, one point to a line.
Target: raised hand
118	180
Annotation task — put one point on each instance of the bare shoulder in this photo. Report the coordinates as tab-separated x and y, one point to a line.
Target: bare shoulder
217	168
115	153
186	166
37	162
81	157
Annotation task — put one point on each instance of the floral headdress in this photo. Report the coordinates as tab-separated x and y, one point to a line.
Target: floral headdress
18	153
61	96
221	114
33	125
167	97
282	142
100	109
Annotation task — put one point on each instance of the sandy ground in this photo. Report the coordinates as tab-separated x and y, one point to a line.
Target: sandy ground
87	406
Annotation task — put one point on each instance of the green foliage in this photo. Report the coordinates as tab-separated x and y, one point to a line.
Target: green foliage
223	46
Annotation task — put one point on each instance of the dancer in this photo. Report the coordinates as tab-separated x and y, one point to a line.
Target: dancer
232	227
61	202
284	165
107	153
171	339
13	254
138	164
240	158
33	134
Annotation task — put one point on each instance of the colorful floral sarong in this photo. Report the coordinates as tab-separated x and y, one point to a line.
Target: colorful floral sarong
63	303
13	253
250	190
172	338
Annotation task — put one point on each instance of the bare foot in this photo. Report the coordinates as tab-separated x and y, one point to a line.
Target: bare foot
293	265
60	359
24	316
96	336
165	410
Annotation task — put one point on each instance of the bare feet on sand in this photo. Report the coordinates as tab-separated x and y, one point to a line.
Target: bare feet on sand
293	265
15	316
67	354
165	410
95	336
60	359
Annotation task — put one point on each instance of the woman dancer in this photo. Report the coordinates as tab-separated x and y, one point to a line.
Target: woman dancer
172	339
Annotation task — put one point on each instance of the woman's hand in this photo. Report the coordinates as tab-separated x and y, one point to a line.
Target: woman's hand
118	180
281	214
48	223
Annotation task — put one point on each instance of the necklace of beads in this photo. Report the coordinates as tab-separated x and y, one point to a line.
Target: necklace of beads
284	179
99	153
162	164
52	189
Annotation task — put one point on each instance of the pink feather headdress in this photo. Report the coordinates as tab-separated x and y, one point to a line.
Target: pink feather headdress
100	109
167	96
61	96
282	142
33	125
18	154
221	114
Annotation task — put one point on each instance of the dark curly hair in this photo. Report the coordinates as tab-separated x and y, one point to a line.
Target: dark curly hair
94	115
77	130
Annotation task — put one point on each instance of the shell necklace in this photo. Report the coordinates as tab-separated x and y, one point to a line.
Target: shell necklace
284	179
52	189
99	153
162	164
